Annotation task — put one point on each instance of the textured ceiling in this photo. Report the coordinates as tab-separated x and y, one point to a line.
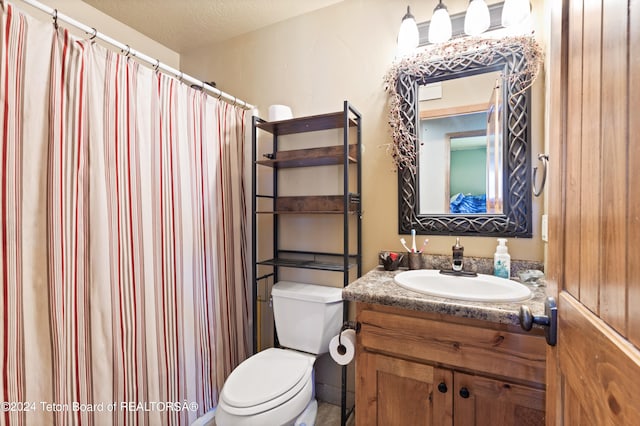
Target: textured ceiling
182	25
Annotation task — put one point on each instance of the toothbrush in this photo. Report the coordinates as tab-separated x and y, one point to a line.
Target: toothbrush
404	244
424	245
413	243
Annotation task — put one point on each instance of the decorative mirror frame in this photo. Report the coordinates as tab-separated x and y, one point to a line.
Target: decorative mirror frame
520	58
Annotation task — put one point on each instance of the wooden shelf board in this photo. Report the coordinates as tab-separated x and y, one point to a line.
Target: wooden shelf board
322	156
313	204
313	123
303	212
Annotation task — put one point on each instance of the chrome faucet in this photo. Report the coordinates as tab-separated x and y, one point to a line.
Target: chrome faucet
458	256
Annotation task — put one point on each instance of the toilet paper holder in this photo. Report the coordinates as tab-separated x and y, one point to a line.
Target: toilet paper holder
347	325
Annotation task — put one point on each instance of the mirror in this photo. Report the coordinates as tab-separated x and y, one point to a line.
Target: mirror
464	165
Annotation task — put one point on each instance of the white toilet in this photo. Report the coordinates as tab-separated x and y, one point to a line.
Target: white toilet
276	386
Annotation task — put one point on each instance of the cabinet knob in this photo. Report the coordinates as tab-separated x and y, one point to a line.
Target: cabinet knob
464	392
442	387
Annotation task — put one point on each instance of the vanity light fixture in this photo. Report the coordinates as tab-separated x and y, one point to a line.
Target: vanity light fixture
408	36
440	26
515	12
477	19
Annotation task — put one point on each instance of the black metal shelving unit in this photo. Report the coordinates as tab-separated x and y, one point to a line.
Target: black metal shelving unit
348	203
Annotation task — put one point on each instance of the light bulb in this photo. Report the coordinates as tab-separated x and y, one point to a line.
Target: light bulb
477	19
440	26
408	36
515	12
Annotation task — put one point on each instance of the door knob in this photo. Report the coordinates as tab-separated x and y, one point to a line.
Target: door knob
549	320
464	392
442	387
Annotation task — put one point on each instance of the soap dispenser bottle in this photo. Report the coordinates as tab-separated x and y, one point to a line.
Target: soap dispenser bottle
502	260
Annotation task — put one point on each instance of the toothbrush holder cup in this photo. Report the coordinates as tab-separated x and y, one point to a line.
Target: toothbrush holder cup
414	260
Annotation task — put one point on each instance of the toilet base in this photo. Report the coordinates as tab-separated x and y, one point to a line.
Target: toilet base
308	416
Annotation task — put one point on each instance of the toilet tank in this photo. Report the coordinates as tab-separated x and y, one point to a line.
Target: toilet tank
307	316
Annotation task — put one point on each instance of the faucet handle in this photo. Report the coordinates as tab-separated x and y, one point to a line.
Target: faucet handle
458	245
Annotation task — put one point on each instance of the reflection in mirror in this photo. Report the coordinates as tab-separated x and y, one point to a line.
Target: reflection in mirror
461	145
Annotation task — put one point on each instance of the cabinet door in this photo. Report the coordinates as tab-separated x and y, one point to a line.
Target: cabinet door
483	401
392	391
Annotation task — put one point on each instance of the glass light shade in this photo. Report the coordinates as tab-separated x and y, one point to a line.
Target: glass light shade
515	12
408	36
477	19
440	26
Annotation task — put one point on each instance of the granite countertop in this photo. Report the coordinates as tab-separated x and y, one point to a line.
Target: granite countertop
378	287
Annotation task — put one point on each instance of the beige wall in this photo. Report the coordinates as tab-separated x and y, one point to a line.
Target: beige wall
105	24
316	61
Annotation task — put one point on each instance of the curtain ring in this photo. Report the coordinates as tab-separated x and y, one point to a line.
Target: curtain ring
94	34
156	67
219	94
128	52
181	76
545	159
55	18
235	101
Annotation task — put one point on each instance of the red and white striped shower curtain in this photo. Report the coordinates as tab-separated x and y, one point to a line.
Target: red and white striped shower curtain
123	239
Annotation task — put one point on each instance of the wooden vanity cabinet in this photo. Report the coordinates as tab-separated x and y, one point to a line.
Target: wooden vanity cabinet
415	368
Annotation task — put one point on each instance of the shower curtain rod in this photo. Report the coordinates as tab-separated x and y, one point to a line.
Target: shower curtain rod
128	51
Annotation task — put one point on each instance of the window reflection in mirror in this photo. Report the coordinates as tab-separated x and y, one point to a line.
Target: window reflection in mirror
461	146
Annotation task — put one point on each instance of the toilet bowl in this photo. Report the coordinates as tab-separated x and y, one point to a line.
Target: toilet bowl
272	387
277	386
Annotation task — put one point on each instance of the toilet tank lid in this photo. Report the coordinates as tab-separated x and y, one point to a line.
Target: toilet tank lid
308	292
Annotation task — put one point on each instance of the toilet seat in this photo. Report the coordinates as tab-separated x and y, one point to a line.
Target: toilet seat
274	376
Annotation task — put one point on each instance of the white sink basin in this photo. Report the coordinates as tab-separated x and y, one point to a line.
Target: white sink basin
483	288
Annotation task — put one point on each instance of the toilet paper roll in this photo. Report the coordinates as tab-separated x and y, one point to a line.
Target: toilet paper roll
279	112
344	352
